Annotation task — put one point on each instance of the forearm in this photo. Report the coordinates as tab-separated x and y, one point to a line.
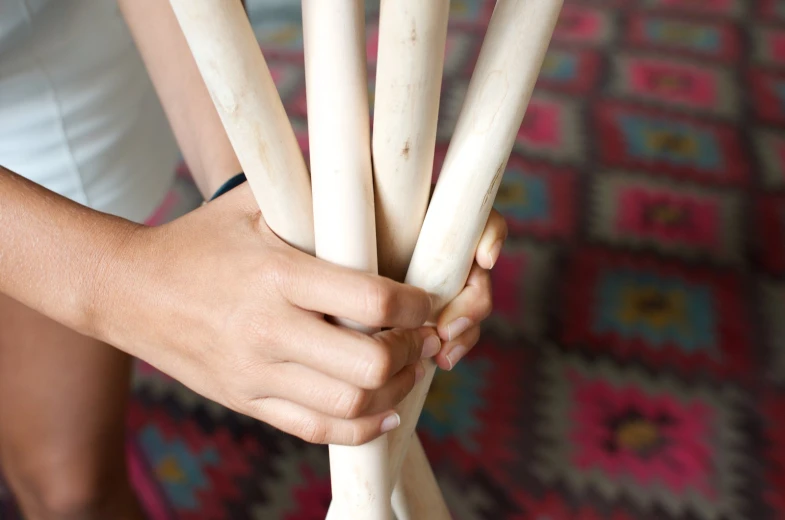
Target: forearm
182	91
54	252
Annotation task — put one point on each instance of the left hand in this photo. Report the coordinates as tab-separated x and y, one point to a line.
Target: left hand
459	323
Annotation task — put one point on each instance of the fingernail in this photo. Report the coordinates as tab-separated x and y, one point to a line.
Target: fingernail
495	251
456	354
458	327
419	373
431	346
391	422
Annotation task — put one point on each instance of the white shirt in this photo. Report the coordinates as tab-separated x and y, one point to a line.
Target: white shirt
78	113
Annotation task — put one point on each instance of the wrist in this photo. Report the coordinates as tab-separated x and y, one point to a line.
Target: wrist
215	168
111	269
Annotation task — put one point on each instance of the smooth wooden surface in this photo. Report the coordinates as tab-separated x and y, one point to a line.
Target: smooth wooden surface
417	494
345	231
412	38
499	92
225	49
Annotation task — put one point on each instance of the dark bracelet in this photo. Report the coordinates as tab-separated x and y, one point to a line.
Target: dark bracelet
229	185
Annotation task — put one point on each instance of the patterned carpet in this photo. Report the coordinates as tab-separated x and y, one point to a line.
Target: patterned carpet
635	364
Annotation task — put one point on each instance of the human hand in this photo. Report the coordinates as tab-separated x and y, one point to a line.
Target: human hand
459	322
220	303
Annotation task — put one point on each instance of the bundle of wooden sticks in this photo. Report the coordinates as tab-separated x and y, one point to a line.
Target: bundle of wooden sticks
361	191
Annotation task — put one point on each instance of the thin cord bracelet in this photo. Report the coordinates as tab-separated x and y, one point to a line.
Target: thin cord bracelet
229	185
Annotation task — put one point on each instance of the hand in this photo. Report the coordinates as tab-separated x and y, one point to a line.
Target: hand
220	303
459	323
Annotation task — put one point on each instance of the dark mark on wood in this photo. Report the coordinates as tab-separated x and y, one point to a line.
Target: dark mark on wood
406	148
496	179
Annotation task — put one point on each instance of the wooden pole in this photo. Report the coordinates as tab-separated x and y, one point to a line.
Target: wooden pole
496	100
345	231
412	38
417	494
225	49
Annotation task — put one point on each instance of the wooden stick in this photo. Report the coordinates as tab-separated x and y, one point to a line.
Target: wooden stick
496	100
226	51
417	494
342	182
412	38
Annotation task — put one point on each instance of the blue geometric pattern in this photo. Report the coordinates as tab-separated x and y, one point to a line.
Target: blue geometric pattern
179	469
662	310
680	144
526	197
559	66
696	37
454	402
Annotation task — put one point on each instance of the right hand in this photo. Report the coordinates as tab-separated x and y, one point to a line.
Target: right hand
216	300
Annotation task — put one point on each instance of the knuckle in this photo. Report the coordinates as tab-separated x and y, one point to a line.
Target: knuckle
277	271
360	435
311	430
380	303
351	403
379	368
238	325
423	311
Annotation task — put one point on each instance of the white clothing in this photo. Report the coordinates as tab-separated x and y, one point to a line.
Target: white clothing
78	113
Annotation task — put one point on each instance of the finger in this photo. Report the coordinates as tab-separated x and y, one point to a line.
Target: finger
318	428
455	350
492	240
338	399
469	308
368	362
371	300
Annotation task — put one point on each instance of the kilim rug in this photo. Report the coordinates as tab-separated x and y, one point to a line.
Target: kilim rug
634	367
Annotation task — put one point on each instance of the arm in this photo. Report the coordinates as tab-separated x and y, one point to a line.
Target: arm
185	98
44	235
221	304
51	250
